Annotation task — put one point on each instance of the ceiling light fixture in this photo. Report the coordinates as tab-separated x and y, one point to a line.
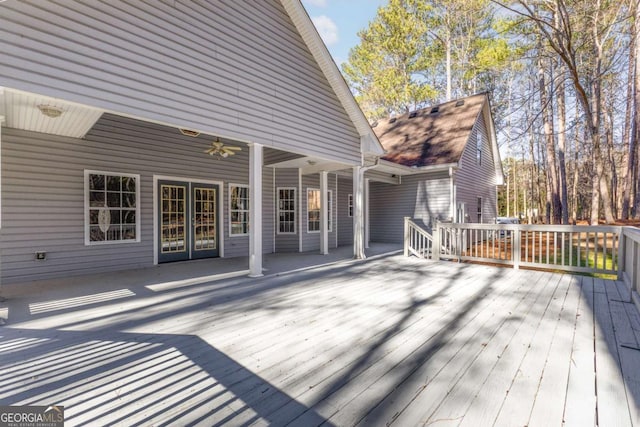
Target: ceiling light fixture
189	132
220	149
50	110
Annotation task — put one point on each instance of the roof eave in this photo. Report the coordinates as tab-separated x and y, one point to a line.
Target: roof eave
494	141
398	169
314	42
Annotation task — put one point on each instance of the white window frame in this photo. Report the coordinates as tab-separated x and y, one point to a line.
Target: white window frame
87	208
295	213
480	209
350	206
329	213
231	187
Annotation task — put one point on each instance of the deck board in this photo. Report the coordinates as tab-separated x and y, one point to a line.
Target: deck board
580	400
392	341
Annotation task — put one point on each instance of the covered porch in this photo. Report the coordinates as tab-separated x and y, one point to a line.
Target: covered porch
386	341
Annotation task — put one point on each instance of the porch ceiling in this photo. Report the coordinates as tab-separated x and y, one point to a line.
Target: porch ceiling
21	111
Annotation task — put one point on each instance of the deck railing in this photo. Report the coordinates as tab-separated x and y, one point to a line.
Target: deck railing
418	242
630	261
610	250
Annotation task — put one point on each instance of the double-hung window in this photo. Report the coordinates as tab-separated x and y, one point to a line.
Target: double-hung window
350	205
112	207
238	210
286	210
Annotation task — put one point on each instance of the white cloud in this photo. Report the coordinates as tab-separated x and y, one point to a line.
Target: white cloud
327	28
316	3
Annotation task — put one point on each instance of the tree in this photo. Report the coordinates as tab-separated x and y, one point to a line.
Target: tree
578	31
384	69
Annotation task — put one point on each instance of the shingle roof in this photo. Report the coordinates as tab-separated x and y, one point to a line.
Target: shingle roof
426	138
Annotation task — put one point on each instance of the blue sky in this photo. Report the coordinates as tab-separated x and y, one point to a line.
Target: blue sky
338	22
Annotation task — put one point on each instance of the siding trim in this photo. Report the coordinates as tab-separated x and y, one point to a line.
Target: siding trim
157	178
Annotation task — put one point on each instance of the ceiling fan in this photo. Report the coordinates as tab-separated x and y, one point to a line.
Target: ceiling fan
218	148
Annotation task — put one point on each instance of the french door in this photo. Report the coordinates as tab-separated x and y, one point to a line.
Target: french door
188	223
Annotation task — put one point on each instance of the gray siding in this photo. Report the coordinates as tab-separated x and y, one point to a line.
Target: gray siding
238	69
345	222
424	197
473	180
43	194
287	242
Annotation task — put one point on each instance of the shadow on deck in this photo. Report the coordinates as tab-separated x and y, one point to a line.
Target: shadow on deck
391	340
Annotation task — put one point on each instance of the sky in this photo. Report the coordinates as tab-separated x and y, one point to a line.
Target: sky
338	22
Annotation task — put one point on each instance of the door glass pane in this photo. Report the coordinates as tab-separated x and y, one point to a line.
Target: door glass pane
173	219
204	226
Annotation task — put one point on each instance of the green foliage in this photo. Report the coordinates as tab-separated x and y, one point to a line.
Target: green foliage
400	63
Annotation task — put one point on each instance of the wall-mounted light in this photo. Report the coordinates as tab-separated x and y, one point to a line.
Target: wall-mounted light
50	111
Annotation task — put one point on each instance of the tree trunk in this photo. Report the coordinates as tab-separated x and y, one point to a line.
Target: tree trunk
562	137
629	128
448	62
553	196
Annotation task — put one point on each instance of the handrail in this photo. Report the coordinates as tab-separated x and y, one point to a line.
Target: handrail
602	249
417	241
630	262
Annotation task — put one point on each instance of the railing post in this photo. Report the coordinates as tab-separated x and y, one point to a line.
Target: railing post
515	248
620	253
436	242
406	236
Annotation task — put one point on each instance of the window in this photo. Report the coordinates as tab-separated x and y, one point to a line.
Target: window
286	211
238	210
350	205
112	207
330	210
313	210
479	209
479	147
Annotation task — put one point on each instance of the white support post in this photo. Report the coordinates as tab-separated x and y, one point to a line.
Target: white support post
406	235
436	242
324	219
255	210
358	221
366	213
516	247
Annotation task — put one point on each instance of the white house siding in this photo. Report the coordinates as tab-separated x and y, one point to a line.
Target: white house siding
43	194
345	222
238	69
473	180
423	197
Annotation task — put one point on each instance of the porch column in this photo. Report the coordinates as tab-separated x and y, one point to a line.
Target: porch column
324	218
358	220
366	213
255	210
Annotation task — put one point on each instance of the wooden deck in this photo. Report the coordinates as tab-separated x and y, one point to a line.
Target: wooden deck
394	340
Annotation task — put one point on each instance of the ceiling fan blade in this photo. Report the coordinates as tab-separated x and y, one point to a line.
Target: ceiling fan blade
218	144
231	147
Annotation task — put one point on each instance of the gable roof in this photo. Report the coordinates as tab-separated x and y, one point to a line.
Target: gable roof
369	141
431	136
